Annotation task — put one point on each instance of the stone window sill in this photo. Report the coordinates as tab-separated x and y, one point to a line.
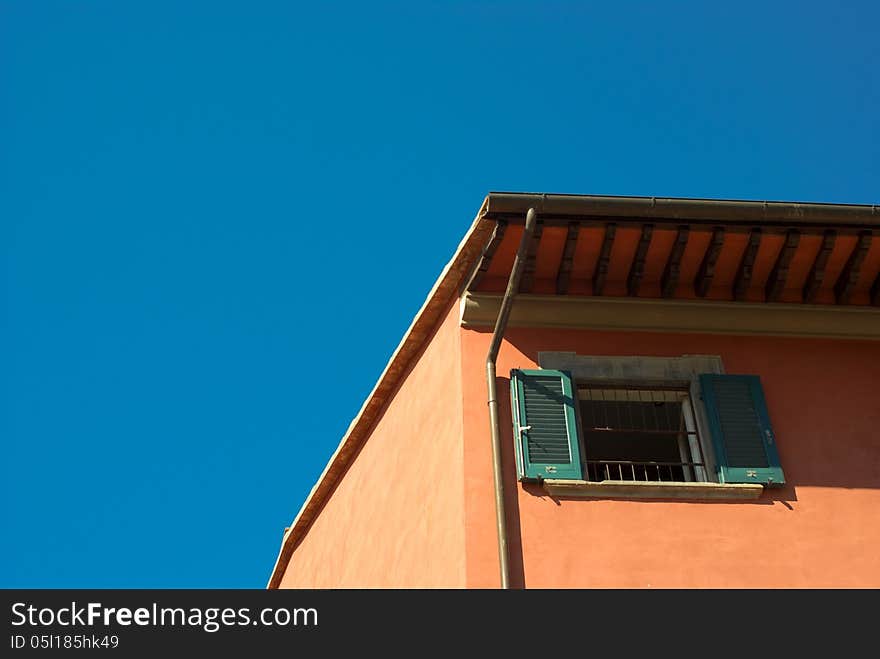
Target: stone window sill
652	490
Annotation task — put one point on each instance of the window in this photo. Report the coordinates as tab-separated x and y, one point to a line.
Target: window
666	422
639	434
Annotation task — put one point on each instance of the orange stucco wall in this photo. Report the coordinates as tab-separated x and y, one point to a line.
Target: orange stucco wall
820	530
396	520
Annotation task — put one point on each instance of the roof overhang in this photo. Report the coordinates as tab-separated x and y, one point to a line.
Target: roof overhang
658	248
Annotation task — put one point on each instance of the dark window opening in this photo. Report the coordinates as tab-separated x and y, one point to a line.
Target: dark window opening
639	434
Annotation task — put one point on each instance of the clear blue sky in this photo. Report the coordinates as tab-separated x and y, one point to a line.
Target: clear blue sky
185	187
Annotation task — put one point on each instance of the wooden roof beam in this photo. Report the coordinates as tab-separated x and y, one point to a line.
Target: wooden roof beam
486	257
672	270
601	271
563	276
779	274
528	277
637	267
746	265
850	274
817	271
703	280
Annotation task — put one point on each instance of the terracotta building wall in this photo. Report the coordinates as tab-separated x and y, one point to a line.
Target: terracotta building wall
820	530
397	517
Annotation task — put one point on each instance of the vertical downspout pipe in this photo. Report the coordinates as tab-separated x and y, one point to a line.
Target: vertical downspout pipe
495	428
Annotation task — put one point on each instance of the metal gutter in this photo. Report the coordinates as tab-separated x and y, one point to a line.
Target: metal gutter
492	385
508	205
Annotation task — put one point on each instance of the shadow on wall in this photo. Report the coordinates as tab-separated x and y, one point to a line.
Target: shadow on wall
511	488
784	495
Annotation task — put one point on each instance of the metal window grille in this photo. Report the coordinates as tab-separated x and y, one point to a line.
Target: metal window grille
640	433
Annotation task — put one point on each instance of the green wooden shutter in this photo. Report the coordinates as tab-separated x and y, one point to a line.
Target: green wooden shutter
544	425
745	448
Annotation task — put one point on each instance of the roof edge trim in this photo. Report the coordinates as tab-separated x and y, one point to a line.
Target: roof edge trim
515	203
